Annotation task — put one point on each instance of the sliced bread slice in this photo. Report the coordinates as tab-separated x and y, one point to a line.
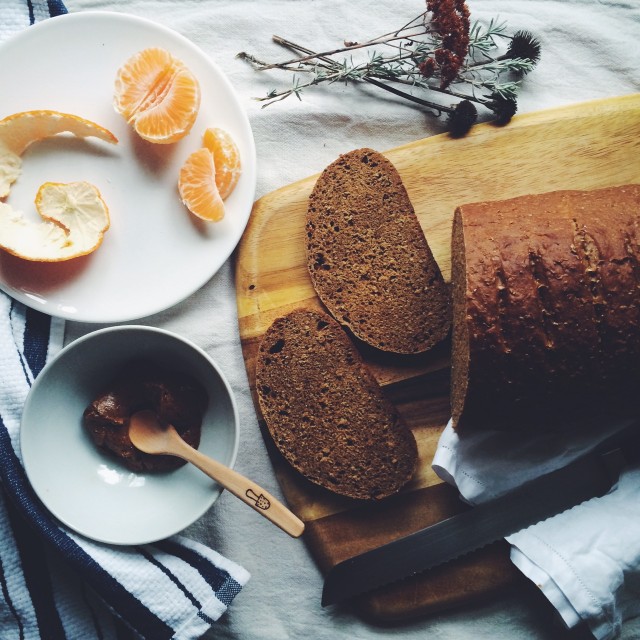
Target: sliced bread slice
325	411
368	257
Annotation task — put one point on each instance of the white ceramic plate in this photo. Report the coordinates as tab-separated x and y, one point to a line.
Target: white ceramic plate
155	254
91	492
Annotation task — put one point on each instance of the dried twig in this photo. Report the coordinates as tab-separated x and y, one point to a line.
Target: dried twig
439	52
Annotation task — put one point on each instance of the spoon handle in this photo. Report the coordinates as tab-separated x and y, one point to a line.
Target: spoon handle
248	491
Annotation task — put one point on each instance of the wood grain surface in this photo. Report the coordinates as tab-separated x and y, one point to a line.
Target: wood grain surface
582	146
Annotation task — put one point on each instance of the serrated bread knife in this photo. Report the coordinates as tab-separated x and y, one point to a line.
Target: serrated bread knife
589	476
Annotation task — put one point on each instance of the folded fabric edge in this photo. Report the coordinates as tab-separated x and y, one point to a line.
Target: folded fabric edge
202	557
445	465
567	598
547	585
212	609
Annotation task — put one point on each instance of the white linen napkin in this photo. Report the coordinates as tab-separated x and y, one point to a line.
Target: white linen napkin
585	560
55	584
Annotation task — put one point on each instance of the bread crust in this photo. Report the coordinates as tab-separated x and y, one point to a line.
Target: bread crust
368	258
546	297
325	411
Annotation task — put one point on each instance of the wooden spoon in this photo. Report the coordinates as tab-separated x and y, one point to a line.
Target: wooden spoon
148	435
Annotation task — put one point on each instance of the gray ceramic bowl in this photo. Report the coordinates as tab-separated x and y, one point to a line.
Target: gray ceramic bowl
92	493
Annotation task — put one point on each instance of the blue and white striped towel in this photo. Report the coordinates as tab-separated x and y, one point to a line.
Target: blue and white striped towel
54	584
49	576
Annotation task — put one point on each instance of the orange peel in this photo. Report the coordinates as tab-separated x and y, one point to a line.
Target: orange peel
74	220
74	216
19	130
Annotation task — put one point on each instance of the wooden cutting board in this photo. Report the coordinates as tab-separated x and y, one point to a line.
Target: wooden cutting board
581	146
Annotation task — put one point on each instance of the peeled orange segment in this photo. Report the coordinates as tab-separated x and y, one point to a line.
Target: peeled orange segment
210	174
19	130
226	158
74	220
157	95
197	186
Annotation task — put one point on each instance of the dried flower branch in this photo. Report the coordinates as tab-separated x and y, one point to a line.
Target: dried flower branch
438	53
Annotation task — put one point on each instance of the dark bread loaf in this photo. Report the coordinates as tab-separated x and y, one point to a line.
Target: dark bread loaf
369	260
546	308
325	411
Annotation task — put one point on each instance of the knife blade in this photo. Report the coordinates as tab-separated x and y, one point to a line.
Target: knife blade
591	475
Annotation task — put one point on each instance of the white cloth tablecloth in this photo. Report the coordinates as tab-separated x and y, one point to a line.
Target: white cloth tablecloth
590	50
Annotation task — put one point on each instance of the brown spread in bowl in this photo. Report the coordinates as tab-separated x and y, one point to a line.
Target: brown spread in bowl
177	399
